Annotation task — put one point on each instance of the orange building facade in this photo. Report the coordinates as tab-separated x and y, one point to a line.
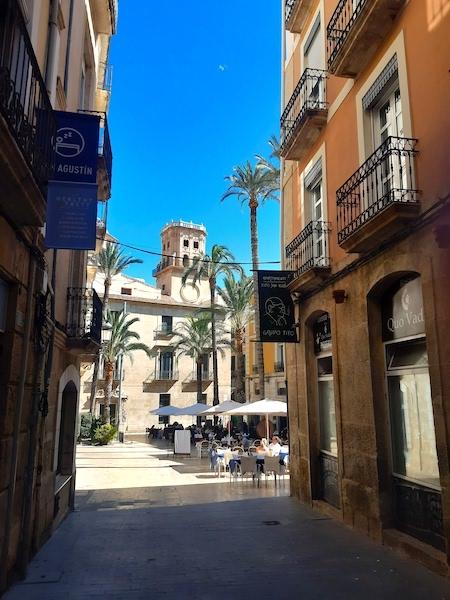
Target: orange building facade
366	230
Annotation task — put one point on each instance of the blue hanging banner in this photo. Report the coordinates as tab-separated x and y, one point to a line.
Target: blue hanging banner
76	147
71	216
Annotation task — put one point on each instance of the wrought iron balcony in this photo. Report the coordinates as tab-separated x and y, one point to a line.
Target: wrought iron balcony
379	198
164	375
28	119
295	12
206	375
84	320
105	157
355	32
278	367
308	254
163	332
305	114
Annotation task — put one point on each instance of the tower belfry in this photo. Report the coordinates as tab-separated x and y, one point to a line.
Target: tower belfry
181	241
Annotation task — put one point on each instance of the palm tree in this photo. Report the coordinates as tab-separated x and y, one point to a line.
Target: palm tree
254	185
210	267
111	262
273	162
237	297
193	337
123	342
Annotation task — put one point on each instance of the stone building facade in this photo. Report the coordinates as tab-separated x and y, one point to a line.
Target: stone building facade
53	56
366	230
166	377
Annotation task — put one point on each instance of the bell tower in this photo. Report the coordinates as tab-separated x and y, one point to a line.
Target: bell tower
181	241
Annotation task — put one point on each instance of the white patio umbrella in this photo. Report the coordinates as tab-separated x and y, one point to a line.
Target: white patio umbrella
192	410
165	411
267	407
222	407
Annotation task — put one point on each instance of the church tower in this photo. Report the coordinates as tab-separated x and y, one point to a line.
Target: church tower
180	243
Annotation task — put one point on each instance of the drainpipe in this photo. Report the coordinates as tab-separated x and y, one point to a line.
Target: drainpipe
51	70
18	418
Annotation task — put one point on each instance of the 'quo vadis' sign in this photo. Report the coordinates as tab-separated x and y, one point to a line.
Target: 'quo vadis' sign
402	312
276	309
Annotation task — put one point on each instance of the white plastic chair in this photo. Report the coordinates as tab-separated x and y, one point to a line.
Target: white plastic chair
202	448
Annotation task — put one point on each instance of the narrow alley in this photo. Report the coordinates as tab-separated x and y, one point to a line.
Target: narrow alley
151	525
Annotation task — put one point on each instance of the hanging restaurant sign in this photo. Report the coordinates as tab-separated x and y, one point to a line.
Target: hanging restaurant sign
276	309
76	147
71	216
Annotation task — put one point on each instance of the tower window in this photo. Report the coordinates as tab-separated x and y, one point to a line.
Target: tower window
196	245
186	243
185	260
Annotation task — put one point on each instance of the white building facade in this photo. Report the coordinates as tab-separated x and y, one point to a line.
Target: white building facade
167	377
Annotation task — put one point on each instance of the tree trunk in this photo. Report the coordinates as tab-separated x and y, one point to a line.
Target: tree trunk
107	285
259	355
212	289
94	384
109	374
199	365
239	371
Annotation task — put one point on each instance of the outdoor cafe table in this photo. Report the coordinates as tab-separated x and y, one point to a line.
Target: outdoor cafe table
236	460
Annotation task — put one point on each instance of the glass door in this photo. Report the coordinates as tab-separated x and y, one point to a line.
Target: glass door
318	229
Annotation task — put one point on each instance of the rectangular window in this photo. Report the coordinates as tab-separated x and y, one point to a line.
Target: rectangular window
412	423
327	414
166	365
164	400
204	398
4	290
185	243
166	324
125	291
196	245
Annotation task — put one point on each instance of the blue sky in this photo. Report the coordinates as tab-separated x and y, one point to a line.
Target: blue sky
195	91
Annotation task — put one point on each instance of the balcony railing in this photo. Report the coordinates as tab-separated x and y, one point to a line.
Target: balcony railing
170	261
307	100
278	367
205	375
356	30
309	250
105	73
164	375
341	22
24	102
386	178
105	157
84	315
289	7
163	332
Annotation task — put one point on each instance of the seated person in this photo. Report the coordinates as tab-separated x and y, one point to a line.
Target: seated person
263	447
275	446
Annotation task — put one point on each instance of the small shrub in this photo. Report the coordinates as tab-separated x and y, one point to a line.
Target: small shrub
104	434
85	426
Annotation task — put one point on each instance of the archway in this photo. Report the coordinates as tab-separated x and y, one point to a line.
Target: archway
409	473
67	430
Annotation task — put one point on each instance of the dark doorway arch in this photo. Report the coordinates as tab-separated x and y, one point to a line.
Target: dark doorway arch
66	445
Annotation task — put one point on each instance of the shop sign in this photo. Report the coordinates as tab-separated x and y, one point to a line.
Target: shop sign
276	309
71	216
322	334
402	311
76	147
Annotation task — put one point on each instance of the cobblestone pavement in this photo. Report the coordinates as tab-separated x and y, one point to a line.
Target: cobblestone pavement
150	526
